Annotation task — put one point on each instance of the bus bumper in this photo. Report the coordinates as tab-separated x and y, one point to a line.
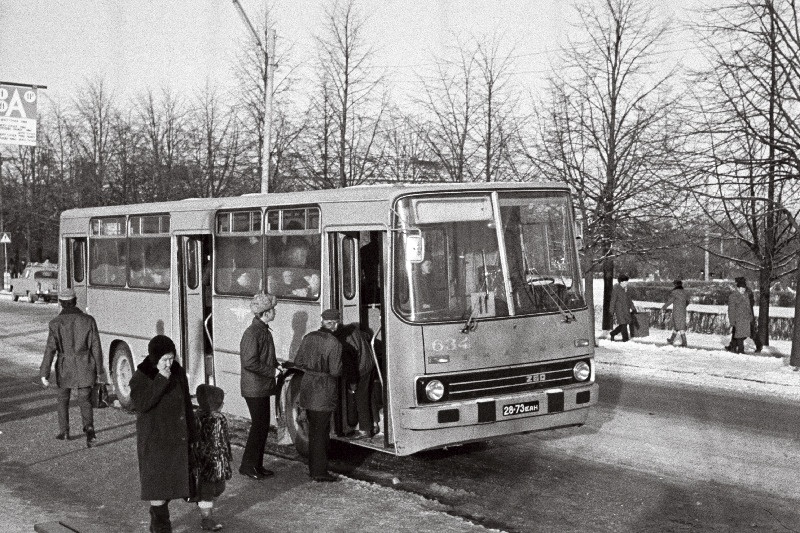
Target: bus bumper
526	412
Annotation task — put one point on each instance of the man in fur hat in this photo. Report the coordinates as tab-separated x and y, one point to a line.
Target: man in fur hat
257	355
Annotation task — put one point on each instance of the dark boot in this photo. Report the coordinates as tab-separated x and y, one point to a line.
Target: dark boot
90	436
683	339
671	338
159	519
64	435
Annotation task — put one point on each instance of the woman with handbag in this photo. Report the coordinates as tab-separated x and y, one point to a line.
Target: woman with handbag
165	430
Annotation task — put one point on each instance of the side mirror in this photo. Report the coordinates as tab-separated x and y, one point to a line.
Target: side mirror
415	248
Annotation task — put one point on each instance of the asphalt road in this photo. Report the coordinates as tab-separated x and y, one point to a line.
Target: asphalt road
651	458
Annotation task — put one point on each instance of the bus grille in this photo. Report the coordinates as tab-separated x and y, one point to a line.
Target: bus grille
489	383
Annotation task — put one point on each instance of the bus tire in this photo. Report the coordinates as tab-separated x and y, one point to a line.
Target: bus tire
295	417
121	374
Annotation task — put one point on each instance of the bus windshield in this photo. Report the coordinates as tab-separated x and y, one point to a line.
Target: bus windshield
469	269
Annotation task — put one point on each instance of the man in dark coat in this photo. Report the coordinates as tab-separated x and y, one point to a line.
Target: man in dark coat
621	307
740	315
753	325
257	355
320	358
357	366
74	342
165	430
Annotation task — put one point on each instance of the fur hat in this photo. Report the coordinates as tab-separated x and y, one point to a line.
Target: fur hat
158	347
66	294
678	284
263	301
623	277
741	282
210	398
331	314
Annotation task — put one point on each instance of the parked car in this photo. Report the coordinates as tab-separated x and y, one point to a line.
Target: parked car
38	281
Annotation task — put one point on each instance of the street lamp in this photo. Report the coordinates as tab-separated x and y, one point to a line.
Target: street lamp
269	52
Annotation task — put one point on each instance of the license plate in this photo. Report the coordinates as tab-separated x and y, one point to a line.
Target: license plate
521	408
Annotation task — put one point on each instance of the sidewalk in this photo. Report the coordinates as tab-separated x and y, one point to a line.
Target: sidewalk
704	363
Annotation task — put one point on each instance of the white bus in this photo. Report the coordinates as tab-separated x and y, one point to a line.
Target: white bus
470	295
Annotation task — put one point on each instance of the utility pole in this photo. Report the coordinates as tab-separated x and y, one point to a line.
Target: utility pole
268	49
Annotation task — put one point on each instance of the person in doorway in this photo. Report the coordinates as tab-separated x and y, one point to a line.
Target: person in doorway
358	367
622	308
74	342
753	325
740	315
212	465
259	363
320	358
165	430
679	300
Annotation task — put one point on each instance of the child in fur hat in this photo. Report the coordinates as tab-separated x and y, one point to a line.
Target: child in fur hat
212	454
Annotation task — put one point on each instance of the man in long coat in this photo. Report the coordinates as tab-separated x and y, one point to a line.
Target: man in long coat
740	315
320	358
621	307
74	343
679	301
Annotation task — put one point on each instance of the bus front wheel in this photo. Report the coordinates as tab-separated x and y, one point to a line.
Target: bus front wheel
295	417
122	372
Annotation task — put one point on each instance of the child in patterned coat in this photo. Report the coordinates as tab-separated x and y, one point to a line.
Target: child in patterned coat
212	453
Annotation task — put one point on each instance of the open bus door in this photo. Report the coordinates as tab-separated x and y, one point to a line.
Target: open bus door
356	290
75	251
196	343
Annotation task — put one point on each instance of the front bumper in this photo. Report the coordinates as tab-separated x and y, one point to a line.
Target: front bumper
551	401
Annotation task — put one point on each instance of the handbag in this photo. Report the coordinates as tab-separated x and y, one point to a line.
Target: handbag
99	396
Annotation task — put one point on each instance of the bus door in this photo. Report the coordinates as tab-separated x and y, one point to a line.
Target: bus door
194	271
76	253
356	290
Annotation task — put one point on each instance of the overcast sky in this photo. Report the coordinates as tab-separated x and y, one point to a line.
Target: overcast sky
137	44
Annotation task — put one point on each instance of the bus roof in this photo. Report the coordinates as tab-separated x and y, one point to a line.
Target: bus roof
359	193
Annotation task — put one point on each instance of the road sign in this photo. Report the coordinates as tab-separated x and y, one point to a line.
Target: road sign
5	239
18	114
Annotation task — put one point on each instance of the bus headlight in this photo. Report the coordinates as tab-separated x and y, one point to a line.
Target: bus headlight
581	371
434	390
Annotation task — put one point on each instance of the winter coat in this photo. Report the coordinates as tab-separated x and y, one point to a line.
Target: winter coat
356	353
740	314
165	431
679	300
320	358
212	451
75	343
257	356
621	305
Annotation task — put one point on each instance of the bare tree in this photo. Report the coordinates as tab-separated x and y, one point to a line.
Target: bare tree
607	132
95	110
748	164
351	90
162	123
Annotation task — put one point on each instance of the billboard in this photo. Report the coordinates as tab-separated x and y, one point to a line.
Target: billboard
18	114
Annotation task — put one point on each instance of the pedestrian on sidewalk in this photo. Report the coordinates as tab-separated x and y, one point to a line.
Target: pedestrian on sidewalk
622	308
740	315
320	358
165	430
679	300
753	325
212	453
74	342
259	363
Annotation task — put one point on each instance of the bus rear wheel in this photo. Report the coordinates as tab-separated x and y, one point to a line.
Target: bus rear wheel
295	417
121	374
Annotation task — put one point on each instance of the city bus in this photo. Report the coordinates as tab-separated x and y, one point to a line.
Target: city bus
469	296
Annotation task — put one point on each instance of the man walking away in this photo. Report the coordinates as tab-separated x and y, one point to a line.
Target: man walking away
679	301
621	307
740	315
74	343
753	325
320	358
